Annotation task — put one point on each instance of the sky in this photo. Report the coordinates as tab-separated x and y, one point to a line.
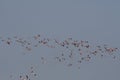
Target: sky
97	21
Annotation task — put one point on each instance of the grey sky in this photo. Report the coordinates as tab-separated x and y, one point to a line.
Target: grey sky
97	21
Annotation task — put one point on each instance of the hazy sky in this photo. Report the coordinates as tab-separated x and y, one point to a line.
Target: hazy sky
97	21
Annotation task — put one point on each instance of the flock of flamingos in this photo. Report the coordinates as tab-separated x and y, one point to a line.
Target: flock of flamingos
73	52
